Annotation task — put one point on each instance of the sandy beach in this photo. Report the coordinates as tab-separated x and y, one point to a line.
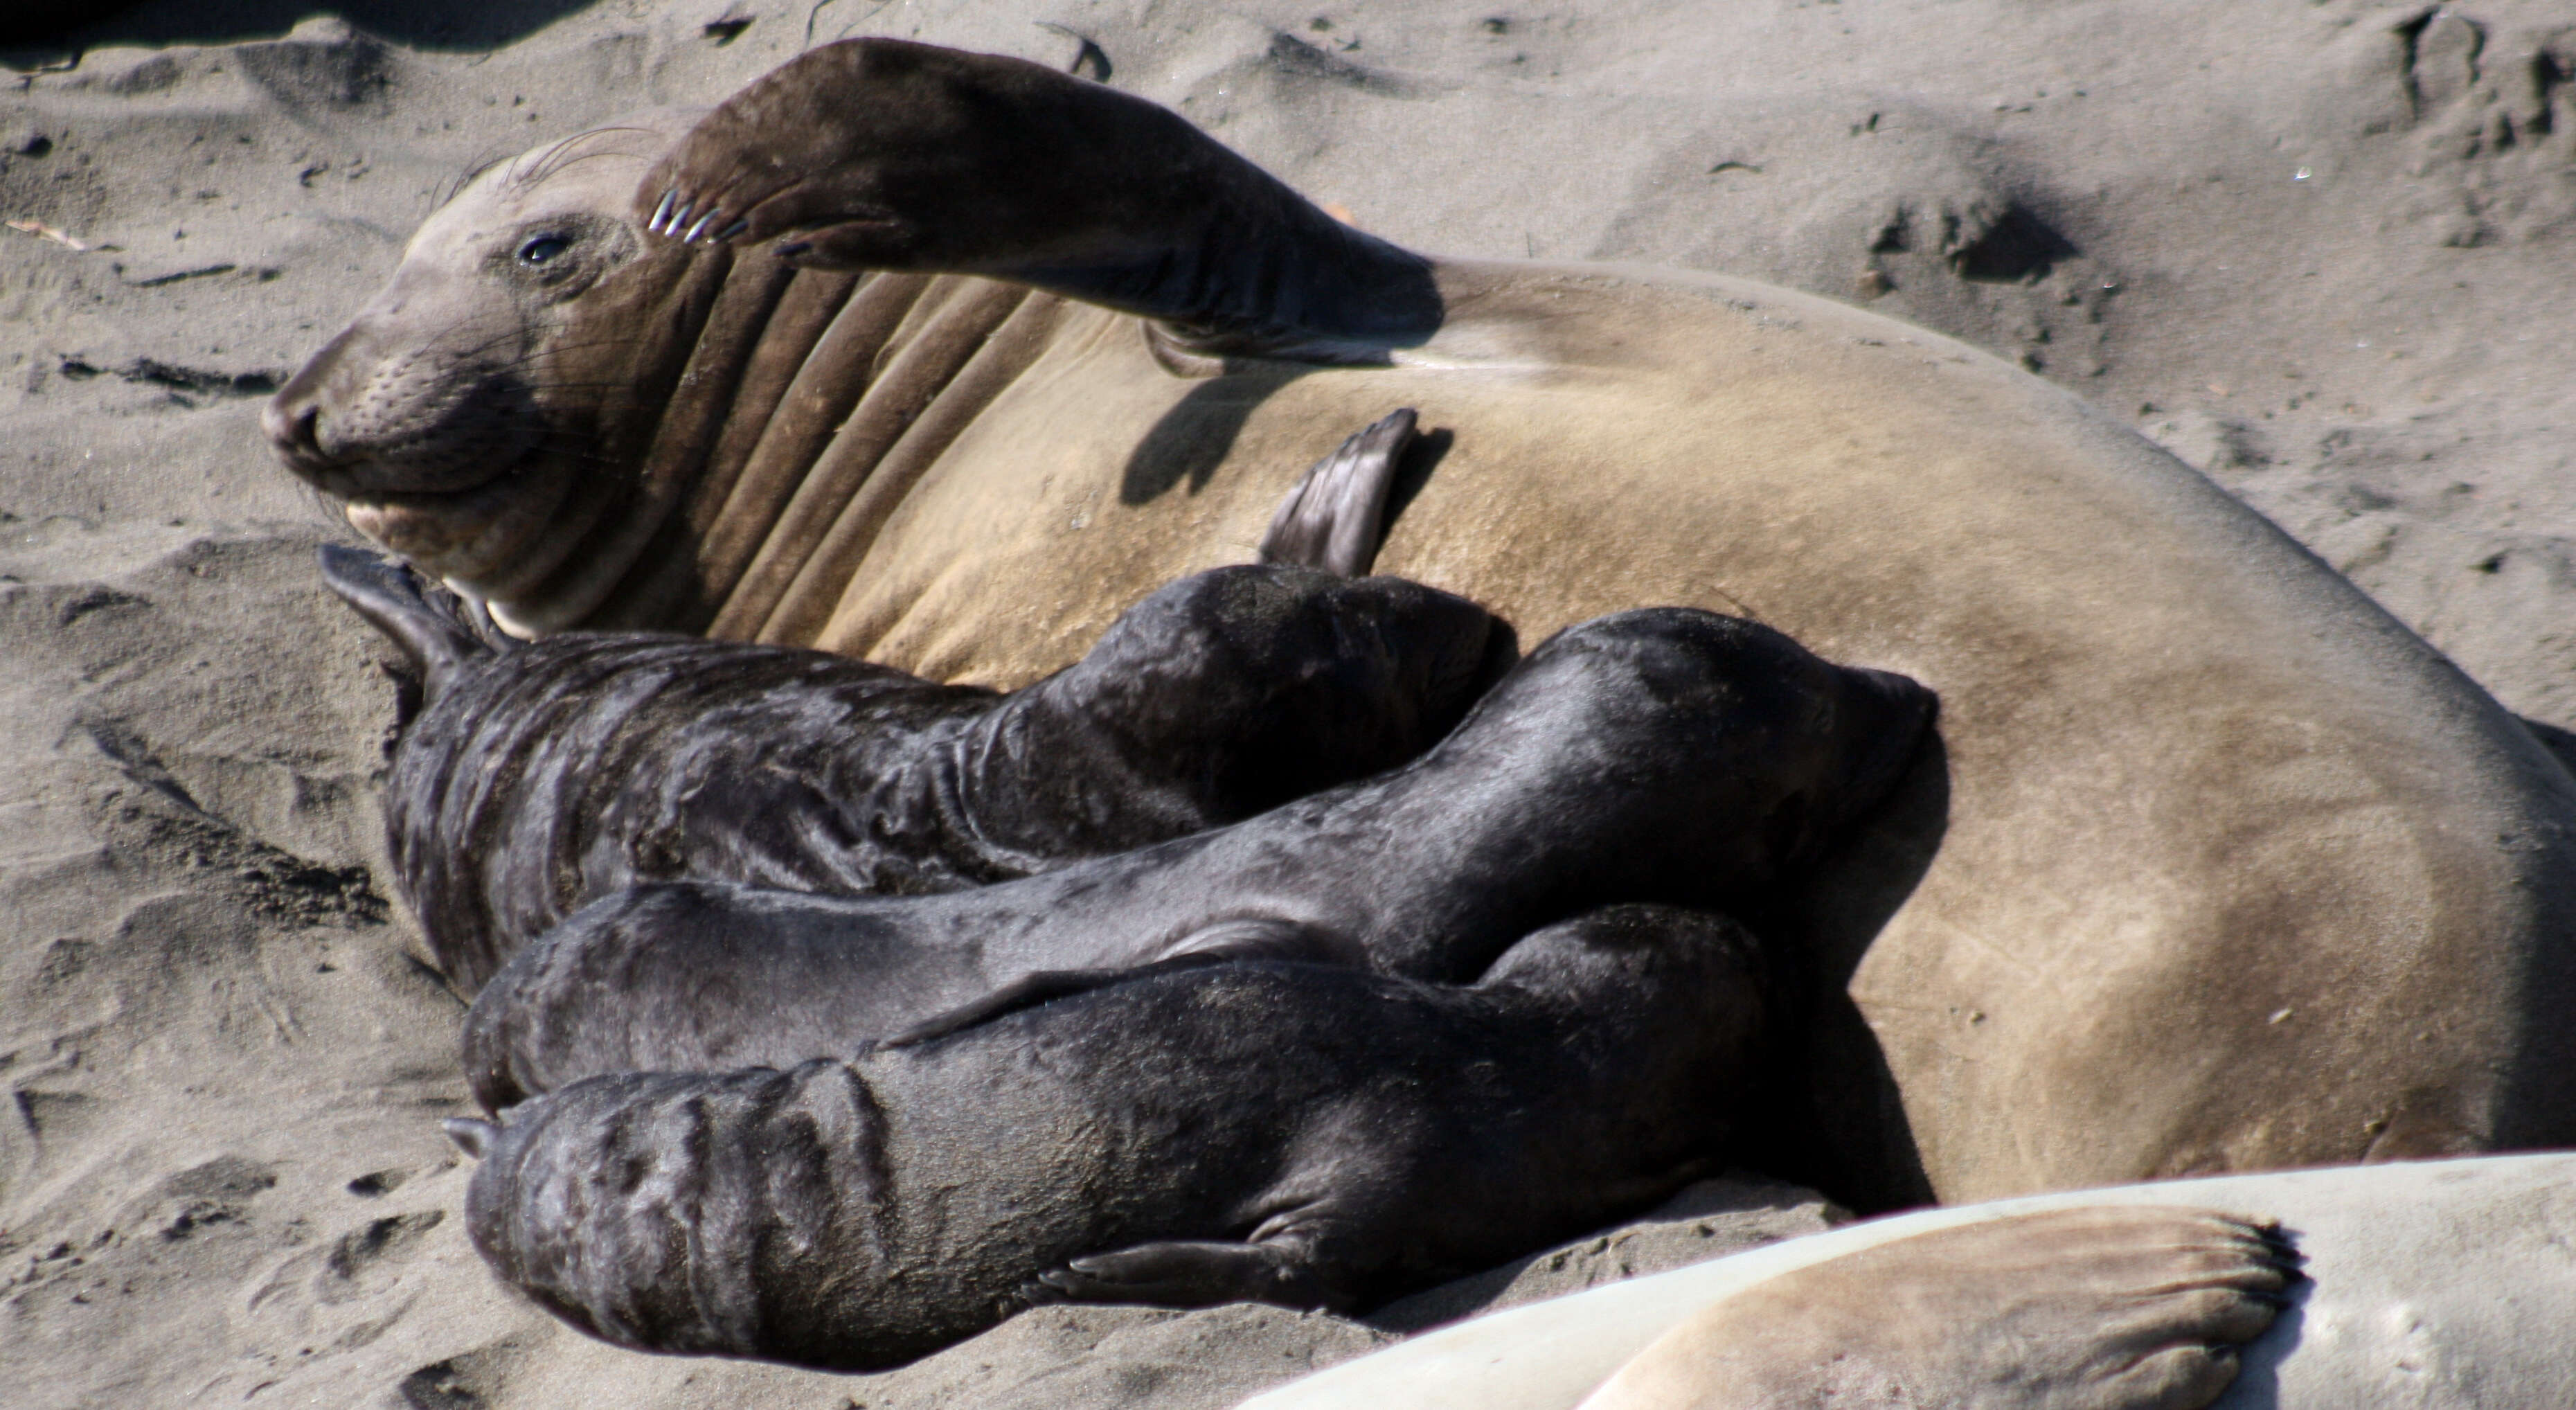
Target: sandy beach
2323	252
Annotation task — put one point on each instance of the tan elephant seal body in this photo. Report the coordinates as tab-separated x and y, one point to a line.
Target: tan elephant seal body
2218	866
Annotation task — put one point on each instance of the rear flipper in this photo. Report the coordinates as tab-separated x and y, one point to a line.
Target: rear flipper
1335	517
2078	1309
1186	1274
438	630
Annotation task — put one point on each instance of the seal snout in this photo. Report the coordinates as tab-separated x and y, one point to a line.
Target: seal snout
391	409
292	419
1881	724
1890	714
294	429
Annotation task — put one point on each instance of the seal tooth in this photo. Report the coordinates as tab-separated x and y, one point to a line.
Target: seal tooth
700	228
734	229
662	212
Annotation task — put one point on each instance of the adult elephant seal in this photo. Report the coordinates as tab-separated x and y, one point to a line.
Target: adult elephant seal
2219	868
1311	1135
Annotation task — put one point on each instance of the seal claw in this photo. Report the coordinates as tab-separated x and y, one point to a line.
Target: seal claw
732	230
662	212
700	228
679	218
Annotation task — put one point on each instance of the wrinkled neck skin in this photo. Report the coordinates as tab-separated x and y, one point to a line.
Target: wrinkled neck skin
638	444
701	508
745	375
707	438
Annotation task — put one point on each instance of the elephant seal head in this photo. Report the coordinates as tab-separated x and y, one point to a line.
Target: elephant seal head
484	415
578	355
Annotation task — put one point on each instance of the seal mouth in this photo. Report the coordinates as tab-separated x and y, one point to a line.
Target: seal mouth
435	529
366	483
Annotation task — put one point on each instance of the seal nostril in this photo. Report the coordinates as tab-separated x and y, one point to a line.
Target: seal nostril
296	431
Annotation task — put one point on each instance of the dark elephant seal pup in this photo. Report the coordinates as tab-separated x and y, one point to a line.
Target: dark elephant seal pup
1664	755
540	775
1312	1135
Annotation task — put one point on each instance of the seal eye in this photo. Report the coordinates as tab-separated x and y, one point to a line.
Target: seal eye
542	249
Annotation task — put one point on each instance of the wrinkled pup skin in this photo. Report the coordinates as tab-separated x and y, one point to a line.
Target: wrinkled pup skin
1310	1135
1661	755
539	775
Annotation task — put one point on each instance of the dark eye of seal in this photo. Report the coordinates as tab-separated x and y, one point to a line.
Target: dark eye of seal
543	248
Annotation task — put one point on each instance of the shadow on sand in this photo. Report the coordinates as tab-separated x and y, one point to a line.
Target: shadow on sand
44	33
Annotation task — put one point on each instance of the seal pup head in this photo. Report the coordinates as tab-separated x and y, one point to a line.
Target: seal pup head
1668	743
471	418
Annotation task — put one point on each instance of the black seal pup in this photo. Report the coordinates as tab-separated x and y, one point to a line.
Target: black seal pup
538	775
1311	1135
1665	755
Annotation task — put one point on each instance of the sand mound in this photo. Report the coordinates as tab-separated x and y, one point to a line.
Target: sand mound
2322	252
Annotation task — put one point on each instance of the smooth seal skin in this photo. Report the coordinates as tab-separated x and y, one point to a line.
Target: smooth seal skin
2219	867
1661	755
1312	1135
536	777
2446	1285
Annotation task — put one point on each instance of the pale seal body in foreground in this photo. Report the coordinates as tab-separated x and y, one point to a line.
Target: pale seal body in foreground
1664	755
1313	1135
2220	867
2448	1285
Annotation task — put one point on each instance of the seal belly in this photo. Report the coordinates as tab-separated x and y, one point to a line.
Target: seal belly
2207	824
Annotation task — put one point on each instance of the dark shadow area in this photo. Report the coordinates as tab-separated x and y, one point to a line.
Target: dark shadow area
58	29
2258	1375
1833	1118
1195	436
1477	1293
2019	246
1413	471
2560	743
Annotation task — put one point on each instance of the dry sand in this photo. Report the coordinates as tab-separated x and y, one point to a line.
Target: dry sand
2325	251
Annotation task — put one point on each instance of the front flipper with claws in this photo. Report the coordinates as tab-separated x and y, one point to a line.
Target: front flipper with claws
882	154
681	220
